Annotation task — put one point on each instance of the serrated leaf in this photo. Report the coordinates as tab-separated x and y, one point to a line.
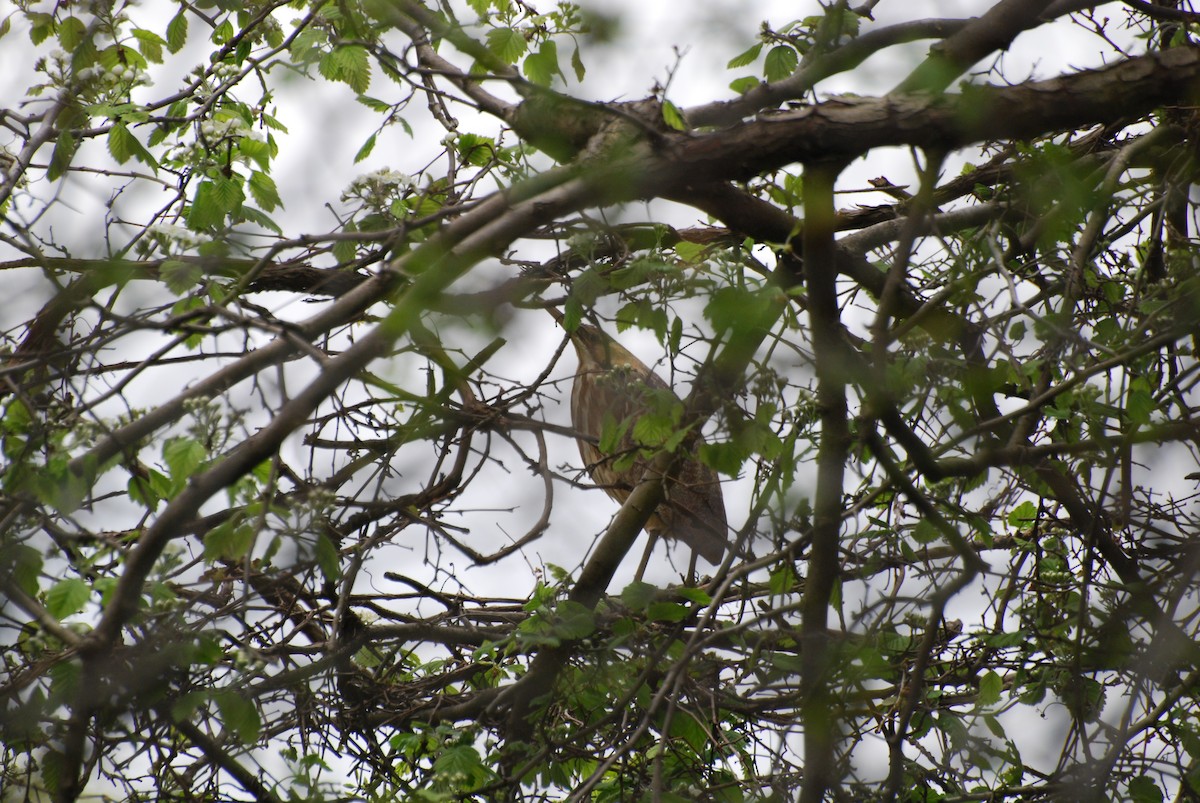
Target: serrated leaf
249	213
228	194
230	540
638	595
507	43
782	579
60	159
223	32
574	621
726	458
653	430
122	144
183	456
150	44
264	192
463	763
204	212
177	30
350	64
41	25
256	150
541	67
71	31
179	276
746	57
67	597
1143	789
1022	515
781	62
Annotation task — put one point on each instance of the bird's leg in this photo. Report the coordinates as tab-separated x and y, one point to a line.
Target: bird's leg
645	557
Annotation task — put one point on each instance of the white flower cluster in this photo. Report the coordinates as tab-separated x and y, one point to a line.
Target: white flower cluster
229	127
57	65
172	235
225	70
379	187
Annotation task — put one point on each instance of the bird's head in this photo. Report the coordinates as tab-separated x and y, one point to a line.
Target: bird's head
598	351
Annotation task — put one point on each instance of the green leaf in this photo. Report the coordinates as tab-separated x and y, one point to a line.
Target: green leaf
746	57
667	612
142	492
612	432
177	30
239	715
180	277
60	160
476	150
574	621
263	190
1139	403
204	211
23	564
228	194
1023	515
41	25
67	597
990	686
653	429
150	44
637	596
462	766
541	67
507	43
257	151
1143	789
673	117
577	65
253	215
183	456
925	532
71	32
726	458
781	62
350	64
366	149
231	540
327	558
993	725
744	84
782	579
130	145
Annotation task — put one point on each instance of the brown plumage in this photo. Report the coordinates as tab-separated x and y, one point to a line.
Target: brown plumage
611	381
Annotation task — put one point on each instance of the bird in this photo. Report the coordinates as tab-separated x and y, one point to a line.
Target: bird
612	384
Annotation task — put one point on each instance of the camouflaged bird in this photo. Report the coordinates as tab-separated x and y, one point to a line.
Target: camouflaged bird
615	385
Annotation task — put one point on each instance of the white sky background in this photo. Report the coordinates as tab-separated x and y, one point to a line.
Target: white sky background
327	127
